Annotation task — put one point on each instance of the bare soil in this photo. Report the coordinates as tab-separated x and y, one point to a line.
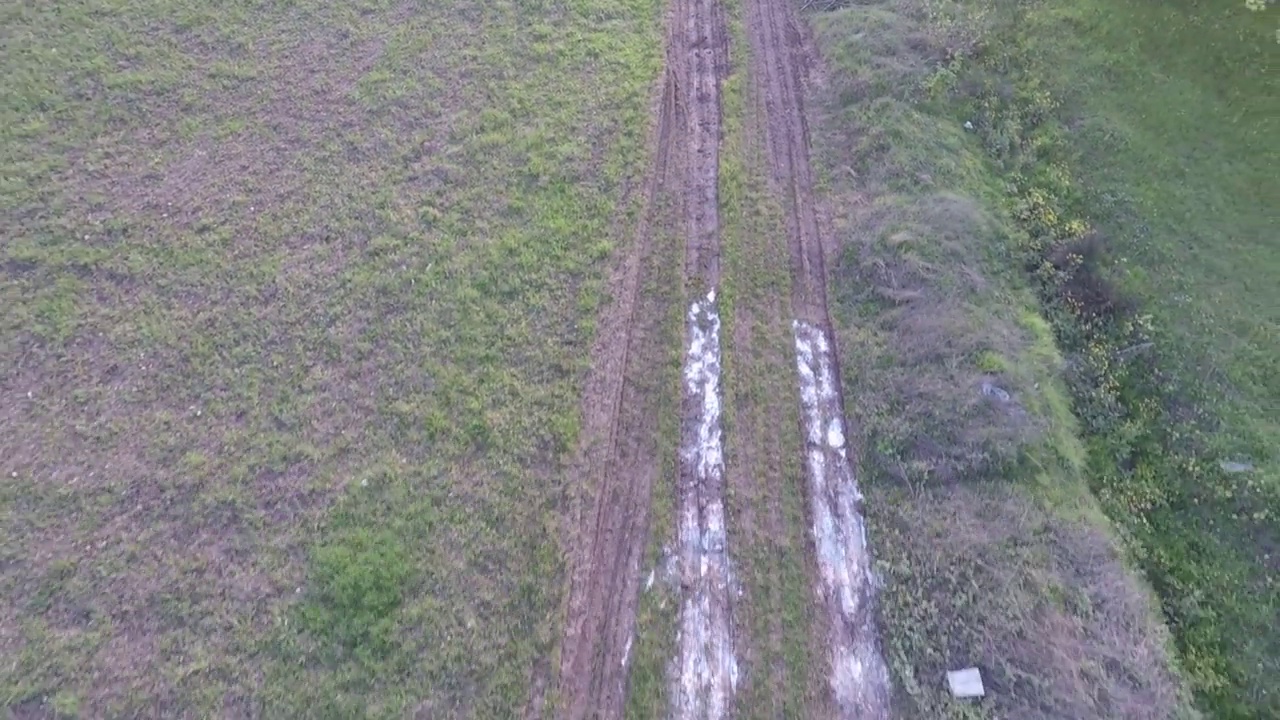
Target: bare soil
706	664
699	53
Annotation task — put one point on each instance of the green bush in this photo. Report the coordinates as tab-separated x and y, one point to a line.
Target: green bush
357	584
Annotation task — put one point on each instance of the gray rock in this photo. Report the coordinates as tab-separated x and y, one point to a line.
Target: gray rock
992	390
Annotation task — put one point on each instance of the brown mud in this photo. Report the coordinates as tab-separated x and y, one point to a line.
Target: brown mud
618	460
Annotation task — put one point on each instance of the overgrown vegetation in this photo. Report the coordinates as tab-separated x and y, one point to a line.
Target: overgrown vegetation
1202	532
993	547
1114	199
281	282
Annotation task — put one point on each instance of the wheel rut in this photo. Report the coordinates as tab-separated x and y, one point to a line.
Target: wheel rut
617	461
858	677
616	466
705	668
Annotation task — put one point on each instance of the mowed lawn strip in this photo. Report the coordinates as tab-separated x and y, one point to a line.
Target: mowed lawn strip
297	300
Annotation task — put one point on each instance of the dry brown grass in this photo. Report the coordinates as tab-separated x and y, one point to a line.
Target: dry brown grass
933	341
1045	608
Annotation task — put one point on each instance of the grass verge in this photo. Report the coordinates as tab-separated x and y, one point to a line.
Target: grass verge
994	550
783	659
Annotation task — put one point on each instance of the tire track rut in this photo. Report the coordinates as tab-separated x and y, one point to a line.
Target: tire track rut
617	462
858	677
706	670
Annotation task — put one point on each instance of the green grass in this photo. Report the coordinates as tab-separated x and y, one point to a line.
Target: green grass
1170	108
1158	116
1149	124
296	301
994	551
781	652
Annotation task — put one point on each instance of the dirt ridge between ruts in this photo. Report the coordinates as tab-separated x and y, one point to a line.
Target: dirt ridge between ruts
858	678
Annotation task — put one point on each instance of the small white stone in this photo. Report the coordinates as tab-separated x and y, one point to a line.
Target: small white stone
835	434
966	683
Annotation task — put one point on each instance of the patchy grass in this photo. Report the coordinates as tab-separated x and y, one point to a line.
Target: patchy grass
296	297
994	551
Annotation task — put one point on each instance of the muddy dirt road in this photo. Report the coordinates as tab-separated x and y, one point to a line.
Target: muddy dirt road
781	64
617	463
705	669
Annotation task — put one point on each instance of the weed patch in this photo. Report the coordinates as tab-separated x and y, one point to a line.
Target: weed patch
959	384
357	585
1202	534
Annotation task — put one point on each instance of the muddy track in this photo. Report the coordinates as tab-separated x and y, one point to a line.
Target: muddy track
698	53
858	677
705	669
617	463
778	69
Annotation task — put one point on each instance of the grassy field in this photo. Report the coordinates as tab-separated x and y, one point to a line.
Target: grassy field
294	300
1119	153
